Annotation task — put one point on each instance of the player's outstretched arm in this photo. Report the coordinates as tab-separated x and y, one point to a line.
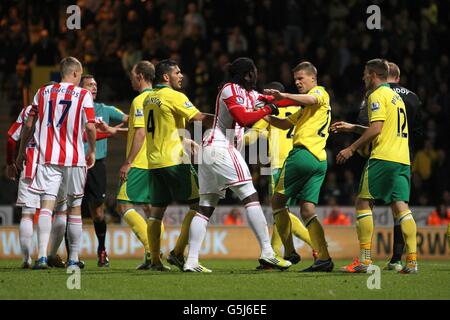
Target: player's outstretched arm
371	133
342	126
299	99
284	124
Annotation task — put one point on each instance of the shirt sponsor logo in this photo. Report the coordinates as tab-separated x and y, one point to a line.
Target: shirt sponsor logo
375	106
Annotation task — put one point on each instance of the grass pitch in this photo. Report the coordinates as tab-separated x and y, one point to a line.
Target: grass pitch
229	280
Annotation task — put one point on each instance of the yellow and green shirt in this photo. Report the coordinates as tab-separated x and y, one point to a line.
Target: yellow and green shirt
312	123
165	112
136	120
391	144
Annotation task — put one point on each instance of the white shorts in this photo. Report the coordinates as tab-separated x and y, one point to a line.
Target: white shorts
50	179
27	198
222	168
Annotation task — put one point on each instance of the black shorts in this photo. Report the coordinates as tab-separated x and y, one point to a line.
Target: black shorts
95	188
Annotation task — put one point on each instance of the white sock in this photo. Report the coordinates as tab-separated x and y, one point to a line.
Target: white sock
197	232
44	228
26	236
57	233
74	230
258	223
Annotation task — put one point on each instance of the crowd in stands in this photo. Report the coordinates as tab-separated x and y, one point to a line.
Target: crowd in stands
204	35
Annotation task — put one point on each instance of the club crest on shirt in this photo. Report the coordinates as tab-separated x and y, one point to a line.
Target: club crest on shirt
239	100
188	105
375	106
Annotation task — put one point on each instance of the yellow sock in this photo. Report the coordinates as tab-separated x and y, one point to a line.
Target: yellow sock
409	230
448	235
162	234
284	228
183	238
317	237
154	238
138	225
276	241
299	230
364	228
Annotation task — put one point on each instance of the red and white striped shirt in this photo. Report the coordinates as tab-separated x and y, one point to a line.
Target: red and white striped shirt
31	152
225	130
63	110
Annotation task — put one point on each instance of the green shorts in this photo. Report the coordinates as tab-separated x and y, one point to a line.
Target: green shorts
386	181
302	176
175	183
275	178
136	189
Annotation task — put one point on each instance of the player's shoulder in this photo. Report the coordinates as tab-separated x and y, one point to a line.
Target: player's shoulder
139	98
321	91
383	90
175	94
230	89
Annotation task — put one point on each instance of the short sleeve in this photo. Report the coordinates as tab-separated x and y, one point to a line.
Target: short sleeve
181	105
35	104
376	107
231	97
88	107
319	95
138	109
115	114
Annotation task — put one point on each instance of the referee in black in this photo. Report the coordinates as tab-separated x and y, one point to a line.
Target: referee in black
413	113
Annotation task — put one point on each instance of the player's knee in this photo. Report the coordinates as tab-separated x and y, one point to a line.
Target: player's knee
363	204
98	216
61	206
307	209
122	208
244	191
278	201
194	205
157	212
28	211
399	207
206	211
74	201
208	201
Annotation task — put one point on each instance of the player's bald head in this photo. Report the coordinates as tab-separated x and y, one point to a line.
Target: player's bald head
69	65
146	69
